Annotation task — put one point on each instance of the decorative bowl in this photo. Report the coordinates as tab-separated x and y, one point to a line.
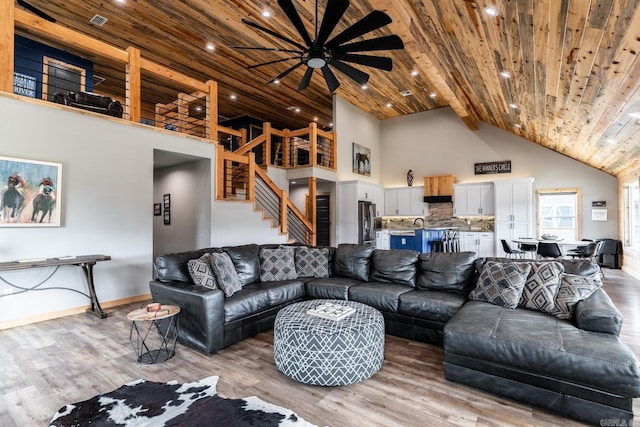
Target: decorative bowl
549	237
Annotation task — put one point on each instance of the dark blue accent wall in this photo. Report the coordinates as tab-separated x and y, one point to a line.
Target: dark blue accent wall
28	60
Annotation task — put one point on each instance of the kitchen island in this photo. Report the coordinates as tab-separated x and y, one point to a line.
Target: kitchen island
417	239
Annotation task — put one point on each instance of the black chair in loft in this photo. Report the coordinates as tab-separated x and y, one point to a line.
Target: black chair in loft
549	250
510	252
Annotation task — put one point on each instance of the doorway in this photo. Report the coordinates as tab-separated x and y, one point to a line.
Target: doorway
323	219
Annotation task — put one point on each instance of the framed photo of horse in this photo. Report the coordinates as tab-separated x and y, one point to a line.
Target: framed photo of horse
30	194
361	160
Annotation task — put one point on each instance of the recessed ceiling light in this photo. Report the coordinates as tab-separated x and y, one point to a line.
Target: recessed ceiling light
364	87
277	81
414	73
433	95
635	115
211	46
315	119
611	141
297	110
198	108
330	125
293	182
120	1
233	96
518	125
491	11
505	74
406	93
389	105
514	106
266	13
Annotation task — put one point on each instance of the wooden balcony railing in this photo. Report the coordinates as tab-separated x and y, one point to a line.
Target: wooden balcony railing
239	178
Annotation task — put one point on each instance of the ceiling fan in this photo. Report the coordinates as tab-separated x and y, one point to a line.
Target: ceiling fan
322	53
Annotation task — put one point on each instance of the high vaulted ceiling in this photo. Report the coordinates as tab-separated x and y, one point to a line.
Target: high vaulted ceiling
575	72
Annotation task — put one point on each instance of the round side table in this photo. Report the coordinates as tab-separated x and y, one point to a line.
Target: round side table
153	334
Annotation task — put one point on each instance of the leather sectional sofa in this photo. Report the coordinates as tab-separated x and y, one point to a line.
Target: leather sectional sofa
576	367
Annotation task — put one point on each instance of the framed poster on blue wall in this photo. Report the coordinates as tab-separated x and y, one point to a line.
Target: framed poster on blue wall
24	84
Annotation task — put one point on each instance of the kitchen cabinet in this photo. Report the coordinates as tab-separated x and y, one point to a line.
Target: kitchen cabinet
404	201
513	211
403	242
373	193
348	193
439	185
482	243
473	199
383	240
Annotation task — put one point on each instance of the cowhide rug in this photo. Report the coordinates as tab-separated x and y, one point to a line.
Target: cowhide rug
146	403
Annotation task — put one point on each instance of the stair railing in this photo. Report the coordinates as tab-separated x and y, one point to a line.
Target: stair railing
238	178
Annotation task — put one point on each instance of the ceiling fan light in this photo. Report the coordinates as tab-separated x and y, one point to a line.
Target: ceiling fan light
316	62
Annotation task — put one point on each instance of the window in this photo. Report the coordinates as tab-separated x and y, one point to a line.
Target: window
632	215
559	213
58	76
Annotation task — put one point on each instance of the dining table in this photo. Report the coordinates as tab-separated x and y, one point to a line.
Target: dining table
564	244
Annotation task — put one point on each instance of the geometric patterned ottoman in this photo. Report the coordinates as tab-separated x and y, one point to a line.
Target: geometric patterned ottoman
327	352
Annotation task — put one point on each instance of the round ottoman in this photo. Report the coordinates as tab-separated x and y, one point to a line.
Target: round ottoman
319	351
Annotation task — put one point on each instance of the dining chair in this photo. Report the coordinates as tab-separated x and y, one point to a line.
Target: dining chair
577	252
591	252
510	252
549	250
527	247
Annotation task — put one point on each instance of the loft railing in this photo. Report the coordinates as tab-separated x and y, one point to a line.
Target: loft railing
293	148
239	178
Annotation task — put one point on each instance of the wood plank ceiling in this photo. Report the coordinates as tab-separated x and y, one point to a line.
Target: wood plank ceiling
574	67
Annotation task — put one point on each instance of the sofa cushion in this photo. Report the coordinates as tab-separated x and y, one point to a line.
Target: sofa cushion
200	271
170	267
353	261
250	299
383	296
283	291
597	313
312	262
277	264
539	343
541	287
330	288
431	305
500	283
394	266
572	290
225	273
447	272
247	262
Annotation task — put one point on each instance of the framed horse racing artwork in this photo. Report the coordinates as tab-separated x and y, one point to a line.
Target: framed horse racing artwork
30	194
361	159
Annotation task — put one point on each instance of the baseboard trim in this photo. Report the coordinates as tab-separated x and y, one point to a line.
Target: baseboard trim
70	311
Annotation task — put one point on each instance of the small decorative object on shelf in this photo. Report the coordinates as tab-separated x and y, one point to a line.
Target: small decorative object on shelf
410	178
331	311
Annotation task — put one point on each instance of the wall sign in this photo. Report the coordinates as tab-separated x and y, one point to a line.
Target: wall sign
24	85
493	167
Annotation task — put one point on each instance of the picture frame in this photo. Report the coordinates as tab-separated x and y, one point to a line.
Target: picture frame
157	209
30	193
361	159
167	217
166	200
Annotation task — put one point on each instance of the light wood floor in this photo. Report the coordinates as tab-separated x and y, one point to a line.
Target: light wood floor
44	366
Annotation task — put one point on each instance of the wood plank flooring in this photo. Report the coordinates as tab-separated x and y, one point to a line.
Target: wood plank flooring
46	365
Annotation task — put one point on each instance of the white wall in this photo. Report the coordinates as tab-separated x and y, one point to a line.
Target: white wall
438	142
189	187
107	188
354	125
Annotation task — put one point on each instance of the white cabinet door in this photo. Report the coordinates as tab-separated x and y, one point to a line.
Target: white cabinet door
473	199
504	202
378	199
404	201
417	201
486	244
486	199
460	206
522	202
383	240
468	242
390	201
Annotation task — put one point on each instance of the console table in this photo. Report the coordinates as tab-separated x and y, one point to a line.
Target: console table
86	262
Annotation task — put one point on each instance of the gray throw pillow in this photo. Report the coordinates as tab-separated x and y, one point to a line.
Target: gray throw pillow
225	273
501	283
312	262
277	264
200	271
573	289
541	287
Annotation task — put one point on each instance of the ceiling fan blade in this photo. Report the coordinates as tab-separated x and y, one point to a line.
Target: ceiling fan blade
272	62
273	33
330	78
294	17
355	74
380	43
372	21
35	10
379	62
305	79
284	73
332	14
274	49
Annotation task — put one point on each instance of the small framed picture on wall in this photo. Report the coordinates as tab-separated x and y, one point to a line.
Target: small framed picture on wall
167	217
157	209
166	200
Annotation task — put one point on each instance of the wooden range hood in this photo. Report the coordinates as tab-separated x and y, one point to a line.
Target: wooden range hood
439	188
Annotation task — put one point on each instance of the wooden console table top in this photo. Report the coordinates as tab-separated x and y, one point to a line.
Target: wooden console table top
52	262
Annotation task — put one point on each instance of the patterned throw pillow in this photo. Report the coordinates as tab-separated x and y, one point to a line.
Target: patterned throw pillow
200	271
277	264
573	289
312	262
541	287
501	283
225	273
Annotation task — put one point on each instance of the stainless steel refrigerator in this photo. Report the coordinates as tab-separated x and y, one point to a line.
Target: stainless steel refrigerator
366	230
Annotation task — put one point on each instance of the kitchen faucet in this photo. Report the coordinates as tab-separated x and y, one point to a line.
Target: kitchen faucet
416	220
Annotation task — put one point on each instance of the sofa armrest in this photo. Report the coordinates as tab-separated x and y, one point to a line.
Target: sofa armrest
598	314
201	322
